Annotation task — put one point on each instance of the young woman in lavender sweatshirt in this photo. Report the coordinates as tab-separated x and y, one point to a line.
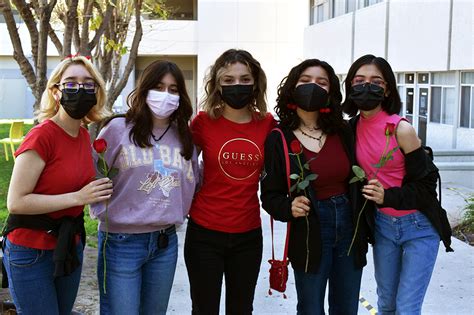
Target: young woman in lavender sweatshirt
157	170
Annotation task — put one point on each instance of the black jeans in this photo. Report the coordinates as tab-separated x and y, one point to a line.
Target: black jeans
209	255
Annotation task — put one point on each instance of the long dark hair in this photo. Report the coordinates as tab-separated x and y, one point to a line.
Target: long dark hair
140	114
328	122
391	103
212	102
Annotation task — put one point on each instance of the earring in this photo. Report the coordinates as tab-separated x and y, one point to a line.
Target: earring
291	106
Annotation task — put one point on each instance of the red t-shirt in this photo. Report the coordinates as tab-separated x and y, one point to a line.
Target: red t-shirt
233	160
68	168
332	166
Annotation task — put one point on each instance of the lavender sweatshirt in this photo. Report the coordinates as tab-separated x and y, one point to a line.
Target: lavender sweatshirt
154	186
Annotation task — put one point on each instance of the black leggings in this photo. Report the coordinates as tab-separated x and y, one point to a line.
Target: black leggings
209	255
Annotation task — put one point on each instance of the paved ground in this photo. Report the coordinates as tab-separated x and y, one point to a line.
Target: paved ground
451	290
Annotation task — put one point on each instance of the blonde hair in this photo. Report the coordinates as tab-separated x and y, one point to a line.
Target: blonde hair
49	105
213	104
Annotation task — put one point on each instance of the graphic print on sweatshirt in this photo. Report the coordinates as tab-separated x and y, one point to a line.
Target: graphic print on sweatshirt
239	158
166	167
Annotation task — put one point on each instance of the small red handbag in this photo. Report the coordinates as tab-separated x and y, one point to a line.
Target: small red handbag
279	268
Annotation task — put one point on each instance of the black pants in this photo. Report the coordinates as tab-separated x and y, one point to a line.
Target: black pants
209	255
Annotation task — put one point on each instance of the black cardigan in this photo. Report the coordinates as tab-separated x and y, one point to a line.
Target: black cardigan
418	191
277	202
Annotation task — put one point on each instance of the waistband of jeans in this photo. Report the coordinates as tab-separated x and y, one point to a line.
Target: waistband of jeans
334	198
169	230
407	217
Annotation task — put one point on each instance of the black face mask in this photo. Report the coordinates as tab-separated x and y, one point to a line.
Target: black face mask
367	96
237	96
310	97
77	105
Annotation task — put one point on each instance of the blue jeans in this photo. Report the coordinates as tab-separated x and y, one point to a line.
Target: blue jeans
405	252
335	217
139	274
32	285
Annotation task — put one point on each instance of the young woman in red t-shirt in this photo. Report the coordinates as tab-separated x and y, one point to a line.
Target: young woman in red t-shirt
224	235
52	180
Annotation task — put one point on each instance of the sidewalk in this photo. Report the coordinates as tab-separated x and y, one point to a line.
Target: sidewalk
451	290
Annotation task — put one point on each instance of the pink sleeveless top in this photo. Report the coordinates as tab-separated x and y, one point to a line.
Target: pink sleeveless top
370	144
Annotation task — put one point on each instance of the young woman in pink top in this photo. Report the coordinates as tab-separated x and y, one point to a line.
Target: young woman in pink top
409	221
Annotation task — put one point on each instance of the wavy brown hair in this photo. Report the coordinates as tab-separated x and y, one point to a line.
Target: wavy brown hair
213	104
330	122
141	116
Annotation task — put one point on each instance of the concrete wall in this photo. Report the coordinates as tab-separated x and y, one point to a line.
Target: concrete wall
416	36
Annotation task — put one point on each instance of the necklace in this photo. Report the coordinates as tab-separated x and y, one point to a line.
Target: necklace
162	135
310	128
320	138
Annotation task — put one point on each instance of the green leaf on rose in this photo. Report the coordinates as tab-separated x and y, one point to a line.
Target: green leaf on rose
294	176
292	188
311	177
113	172
303	184
355	179
358	171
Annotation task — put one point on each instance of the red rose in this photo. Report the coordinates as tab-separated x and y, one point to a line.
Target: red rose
291	106
389	129
100	145
295	147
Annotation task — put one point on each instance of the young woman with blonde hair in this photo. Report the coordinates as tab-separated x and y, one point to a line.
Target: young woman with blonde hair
52	180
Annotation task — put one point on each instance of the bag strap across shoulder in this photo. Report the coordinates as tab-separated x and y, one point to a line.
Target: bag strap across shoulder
287	166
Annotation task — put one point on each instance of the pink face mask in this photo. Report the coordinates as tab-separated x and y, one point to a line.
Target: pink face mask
162	104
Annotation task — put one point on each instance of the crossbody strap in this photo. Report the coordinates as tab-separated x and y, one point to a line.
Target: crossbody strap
287	166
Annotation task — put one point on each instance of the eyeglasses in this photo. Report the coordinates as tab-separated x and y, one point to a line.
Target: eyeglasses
372	87
73	87
375	81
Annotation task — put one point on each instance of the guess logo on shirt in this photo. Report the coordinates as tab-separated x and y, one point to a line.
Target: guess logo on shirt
240	158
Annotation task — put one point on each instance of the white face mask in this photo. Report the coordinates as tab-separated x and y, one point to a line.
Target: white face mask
162	104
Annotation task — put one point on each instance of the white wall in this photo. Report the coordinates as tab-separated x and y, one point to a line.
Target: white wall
271	30
462	38
369	35
331	41
418	35
438	136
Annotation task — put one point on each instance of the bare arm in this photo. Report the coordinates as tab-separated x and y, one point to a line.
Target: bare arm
407	138
21	199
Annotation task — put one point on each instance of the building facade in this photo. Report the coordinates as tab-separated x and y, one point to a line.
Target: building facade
430	46
195	34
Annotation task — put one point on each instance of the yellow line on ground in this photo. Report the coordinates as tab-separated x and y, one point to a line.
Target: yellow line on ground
367	305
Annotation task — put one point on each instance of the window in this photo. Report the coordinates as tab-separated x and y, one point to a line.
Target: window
409	78
423	78
363	3
320	13
350	6
442	105
466	118
435	111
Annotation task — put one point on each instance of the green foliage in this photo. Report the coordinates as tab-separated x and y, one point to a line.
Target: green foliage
468	217
157	9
